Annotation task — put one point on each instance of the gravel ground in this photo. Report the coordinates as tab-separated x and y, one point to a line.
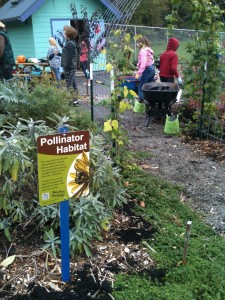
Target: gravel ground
202	177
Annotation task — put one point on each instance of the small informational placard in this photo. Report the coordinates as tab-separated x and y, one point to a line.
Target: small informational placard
63	166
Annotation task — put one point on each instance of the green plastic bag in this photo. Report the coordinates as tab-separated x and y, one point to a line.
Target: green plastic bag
139	107
172	125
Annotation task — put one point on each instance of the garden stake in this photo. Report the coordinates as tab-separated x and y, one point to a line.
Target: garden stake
188	232
203	99
92	94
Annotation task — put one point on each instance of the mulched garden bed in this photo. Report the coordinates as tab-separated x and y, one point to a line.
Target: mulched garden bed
36	274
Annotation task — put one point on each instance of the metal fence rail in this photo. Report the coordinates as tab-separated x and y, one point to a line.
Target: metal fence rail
159	38
211	128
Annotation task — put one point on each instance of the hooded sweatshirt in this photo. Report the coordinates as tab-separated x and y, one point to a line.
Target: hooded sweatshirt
169	60
145	59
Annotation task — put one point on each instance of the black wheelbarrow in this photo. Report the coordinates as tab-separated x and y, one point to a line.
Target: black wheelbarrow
159	97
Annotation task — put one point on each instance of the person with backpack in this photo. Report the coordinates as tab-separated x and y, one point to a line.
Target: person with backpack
7	60
69	59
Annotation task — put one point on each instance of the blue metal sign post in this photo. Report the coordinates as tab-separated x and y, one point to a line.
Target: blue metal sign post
65	233
65	240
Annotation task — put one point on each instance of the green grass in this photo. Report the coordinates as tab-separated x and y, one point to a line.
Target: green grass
203	277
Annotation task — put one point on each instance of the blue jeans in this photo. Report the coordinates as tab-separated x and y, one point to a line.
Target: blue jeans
147	76
56	73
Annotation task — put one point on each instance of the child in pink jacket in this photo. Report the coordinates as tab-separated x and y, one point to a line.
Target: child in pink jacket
146	69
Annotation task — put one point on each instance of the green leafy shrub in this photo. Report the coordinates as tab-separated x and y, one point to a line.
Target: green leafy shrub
44	100
20	100
81	119
89	215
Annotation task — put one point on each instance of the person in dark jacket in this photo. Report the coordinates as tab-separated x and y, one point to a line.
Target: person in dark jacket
7	60
169	61
70	57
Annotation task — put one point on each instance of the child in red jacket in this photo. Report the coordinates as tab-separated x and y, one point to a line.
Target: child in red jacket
169	62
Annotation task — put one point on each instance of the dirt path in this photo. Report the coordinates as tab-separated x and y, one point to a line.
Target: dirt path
202	178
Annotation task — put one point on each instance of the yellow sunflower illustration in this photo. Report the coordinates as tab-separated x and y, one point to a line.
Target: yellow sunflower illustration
79	185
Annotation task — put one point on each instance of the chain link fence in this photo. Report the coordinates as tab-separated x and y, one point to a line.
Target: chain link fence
103	83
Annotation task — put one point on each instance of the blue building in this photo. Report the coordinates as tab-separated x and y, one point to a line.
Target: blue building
30	23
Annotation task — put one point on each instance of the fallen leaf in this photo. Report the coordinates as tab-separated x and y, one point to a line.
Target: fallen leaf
8	261
177	220
54	287
182	262
142	203
145	167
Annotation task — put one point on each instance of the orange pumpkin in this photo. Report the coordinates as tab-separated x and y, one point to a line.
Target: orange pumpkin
21	59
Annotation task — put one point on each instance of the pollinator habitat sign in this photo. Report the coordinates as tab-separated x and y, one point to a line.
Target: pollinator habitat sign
63	166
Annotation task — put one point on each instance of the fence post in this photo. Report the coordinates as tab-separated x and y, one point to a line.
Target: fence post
135	46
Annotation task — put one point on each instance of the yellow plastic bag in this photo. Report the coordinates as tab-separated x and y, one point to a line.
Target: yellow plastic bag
139	107
172	125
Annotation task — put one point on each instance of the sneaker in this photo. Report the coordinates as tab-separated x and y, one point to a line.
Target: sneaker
74	102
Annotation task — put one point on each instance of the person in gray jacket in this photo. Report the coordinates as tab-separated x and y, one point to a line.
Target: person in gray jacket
70	58
7	60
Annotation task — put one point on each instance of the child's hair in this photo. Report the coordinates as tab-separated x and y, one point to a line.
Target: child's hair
144	41
52	41
70	32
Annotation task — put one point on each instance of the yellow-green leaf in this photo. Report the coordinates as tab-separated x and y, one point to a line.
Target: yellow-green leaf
105	224
109	67
117	32
115	124
115	46
120	142
137	37
132	93
14	169
128	49
113	136
125	91
127	37
8	261
123	106
107	126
